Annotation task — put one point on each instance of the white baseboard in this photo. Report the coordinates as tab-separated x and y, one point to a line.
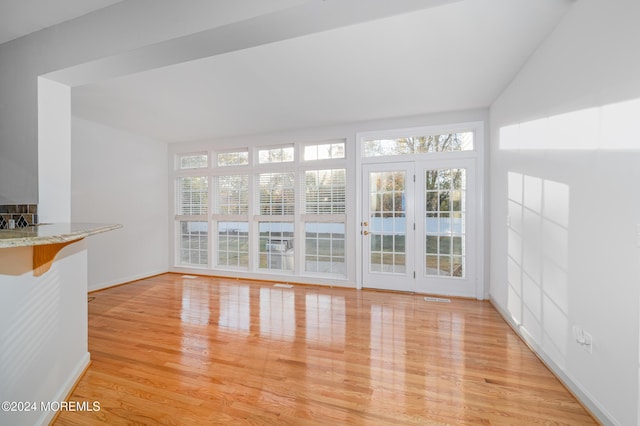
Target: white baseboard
124	280
584	396
308	280
65	389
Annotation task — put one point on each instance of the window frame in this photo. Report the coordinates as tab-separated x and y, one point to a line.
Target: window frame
303	147
178	157
423	131
215	154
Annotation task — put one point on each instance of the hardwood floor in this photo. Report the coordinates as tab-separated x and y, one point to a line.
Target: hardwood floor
178	351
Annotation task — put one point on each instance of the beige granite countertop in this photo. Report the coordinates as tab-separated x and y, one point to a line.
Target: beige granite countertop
51	233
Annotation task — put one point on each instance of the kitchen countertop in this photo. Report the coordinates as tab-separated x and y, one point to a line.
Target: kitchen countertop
51	233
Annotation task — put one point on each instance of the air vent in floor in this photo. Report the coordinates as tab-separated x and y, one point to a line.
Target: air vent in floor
283	285
437	300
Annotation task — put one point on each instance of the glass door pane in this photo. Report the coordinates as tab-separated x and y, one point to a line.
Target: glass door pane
387	218
446	230
444	212
388	192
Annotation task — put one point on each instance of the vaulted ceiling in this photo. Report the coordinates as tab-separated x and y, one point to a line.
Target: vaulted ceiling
21	17
443	55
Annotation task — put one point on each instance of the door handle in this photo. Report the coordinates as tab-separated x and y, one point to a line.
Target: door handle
365	232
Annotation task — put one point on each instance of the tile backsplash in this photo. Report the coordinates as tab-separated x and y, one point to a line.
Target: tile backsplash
22	215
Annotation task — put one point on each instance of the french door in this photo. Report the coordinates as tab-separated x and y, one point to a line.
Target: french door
418	227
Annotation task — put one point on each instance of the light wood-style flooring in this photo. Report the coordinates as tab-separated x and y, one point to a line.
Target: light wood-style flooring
203	351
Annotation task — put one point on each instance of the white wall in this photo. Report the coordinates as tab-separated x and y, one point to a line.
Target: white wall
43	338
565	165
120	177
54	151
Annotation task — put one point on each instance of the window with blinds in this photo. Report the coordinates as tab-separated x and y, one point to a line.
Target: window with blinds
324	207
325	191
192	206
232	195
276	194
232	213
192	196
275	209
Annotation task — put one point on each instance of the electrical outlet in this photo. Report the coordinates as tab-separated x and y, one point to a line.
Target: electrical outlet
584	339
588	342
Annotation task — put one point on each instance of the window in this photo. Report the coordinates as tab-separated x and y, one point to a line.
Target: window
325	191
445	215
231	211
324	208
232	195
276	245
192	196
263	212
324	151
194	242
235	158
419	144
324	247
281	154
233	244
276	193
192	161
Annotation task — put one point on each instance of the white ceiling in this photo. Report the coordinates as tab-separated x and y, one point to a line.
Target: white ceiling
456	56
21	17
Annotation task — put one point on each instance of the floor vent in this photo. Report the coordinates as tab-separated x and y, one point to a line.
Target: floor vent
283	285
437	299
189	277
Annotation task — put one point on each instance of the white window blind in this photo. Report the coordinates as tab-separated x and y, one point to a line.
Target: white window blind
192	196
325	191
232	195
276	193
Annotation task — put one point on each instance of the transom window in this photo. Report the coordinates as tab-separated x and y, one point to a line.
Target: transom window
324	151
192	161
447	142
282	154
233	158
